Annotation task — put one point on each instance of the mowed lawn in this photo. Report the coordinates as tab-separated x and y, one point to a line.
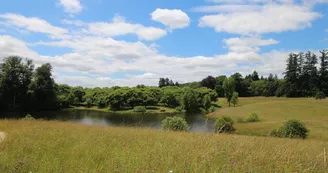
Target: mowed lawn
46	146
273	112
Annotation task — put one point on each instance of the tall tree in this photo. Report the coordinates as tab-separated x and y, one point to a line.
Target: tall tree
219	85
14	81
323	72
291	76
229	88
208	82
161	82
255	76
240	84
310	74
43	87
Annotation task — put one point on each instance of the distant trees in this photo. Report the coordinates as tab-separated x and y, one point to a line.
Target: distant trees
208	82
229	88
164	82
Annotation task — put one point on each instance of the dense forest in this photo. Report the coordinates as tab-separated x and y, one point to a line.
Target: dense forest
24	88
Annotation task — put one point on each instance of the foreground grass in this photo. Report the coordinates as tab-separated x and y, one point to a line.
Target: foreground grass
150	110
41	146
273	112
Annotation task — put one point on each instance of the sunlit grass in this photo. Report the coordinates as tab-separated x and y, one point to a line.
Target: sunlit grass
274	111
46	146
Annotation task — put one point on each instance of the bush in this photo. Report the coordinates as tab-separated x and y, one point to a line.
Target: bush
212	109
320	95
140	109
178	109
234	98
224	125
162	110
252	117
29	117
291	129
175	124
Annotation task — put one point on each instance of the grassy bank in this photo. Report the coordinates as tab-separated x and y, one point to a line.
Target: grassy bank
149	110
45	146
274	111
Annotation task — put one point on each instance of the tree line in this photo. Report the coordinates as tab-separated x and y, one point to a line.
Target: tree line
22	87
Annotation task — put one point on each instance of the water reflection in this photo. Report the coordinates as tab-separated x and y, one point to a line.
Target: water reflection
196	122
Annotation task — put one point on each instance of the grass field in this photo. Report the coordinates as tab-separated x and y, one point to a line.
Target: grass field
274	111
46	146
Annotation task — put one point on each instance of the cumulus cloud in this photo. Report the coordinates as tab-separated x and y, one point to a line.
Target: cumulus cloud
245	44
33	24
173	18
71	6
271	18
119	26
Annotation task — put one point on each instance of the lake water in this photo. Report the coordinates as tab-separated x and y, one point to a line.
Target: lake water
196	122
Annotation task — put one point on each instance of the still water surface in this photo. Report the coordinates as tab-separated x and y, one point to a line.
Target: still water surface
196	122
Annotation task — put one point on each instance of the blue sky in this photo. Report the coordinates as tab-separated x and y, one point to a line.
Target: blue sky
124	42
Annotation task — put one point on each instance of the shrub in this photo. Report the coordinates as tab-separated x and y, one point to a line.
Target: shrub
29	117
212	109
291	129
140	109
320	95
175	124
162	110
224	125
252	117
178	109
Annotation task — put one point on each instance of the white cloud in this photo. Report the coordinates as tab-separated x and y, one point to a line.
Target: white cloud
173	18
246	44
34	24
227	8
71	6
119	26
271	18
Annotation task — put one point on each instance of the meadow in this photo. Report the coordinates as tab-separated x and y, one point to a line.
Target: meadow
52	146
48	146
273	112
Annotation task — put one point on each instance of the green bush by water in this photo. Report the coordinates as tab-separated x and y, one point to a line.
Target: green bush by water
224	125
175	124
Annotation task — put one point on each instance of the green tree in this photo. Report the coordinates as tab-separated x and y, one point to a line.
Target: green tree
207	102
15	77
208	82
234	99
255	76
219	85
43	87
229	88
323	72
189	100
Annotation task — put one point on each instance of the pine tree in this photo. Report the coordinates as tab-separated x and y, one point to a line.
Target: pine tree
323	72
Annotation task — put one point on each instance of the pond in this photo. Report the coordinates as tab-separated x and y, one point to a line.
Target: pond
197	122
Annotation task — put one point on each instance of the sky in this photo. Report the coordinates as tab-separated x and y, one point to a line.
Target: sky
103	43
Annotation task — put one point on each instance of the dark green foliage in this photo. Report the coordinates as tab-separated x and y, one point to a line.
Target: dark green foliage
43	87
234	98
164	82
224	125
291	129
175	124
140	109
320	95
208	82
252	117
